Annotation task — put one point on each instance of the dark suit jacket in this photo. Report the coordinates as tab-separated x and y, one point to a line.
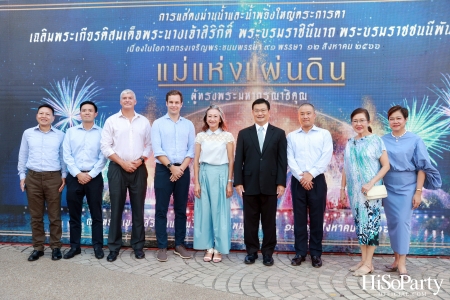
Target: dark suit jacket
261	171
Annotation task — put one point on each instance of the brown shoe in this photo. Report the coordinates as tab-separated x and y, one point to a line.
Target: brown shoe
181	251
162	255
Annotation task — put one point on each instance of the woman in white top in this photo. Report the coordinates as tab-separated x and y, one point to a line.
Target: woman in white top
213	169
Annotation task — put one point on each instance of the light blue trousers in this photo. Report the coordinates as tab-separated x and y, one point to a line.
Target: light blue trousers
212	222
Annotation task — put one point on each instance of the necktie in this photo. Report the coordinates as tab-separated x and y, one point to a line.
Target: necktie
261	137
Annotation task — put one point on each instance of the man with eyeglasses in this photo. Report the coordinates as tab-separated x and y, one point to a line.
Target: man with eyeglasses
260	178
309	152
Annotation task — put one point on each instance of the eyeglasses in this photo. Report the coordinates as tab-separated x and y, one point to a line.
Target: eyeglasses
362	121
260	111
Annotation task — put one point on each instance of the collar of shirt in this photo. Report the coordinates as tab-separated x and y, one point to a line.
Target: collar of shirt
168	117
136	115
80	126
264	126
51	128
314	128
218	131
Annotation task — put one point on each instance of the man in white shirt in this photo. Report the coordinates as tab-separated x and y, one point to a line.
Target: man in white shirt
309	152
126	143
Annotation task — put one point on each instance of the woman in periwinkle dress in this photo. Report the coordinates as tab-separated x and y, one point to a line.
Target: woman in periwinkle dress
213	169
365	164
411	170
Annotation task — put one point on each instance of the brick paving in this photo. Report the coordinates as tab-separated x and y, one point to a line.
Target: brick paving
280	281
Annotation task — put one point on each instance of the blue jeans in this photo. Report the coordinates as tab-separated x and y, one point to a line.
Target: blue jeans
164	188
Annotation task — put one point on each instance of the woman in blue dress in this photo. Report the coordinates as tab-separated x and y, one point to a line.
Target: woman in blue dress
213	170
365	164
411	170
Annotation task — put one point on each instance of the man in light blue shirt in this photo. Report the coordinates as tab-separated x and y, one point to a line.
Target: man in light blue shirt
173	146
85	163
42	174
309	151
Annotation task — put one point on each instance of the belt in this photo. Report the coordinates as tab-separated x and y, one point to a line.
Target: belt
43	172
85	171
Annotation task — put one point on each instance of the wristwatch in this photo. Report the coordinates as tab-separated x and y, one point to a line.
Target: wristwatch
142	159
168	165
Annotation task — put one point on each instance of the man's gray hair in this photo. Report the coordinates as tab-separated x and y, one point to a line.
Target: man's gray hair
127	91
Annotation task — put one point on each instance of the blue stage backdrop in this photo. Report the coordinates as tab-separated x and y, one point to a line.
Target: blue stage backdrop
338	55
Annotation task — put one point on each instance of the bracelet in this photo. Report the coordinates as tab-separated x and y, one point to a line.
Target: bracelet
343	188
418	189
230	180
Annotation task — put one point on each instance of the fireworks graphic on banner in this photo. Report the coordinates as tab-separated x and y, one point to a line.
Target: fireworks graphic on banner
444	93
428	122
65	99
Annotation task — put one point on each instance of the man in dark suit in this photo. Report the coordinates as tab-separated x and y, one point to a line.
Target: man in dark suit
260	177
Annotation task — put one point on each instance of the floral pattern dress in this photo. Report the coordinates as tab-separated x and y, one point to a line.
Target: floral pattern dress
361	164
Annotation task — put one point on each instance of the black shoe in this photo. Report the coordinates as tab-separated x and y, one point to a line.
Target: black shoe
99	253
56	254
267	260
297	260
112	256
35	255
316	261
250	258
72	252
139	254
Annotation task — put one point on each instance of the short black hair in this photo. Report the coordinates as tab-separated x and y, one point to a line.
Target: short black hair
174	93
261	101
88	102
48	106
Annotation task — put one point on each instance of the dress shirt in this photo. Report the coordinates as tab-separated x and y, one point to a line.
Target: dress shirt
81	149
175	140
309	151
41	151
214	146
129	140
265	129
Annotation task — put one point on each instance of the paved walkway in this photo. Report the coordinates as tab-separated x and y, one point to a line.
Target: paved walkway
194	279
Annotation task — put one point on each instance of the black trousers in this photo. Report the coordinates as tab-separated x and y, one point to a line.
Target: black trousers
164	188
314	200
260	207
93	191
119	182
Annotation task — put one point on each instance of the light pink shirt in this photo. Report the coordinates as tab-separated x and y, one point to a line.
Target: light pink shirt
129	140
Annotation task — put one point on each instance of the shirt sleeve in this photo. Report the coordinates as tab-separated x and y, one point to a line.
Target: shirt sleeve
295	169
230	138
327	152
191	141
61	158
23	156
198	138
147	139
422	162
156	140
67	155
107	141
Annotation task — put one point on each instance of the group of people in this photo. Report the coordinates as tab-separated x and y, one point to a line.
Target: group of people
256	165
399	160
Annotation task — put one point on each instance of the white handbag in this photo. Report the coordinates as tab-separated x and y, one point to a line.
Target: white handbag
377	192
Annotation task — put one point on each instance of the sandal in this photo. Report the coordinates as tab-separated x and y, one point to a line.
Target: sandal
356	267
217	256
359	272
390	268
208	255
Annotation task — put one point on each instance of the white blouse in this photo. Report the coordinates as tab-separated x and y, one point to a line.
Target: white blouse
214	146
